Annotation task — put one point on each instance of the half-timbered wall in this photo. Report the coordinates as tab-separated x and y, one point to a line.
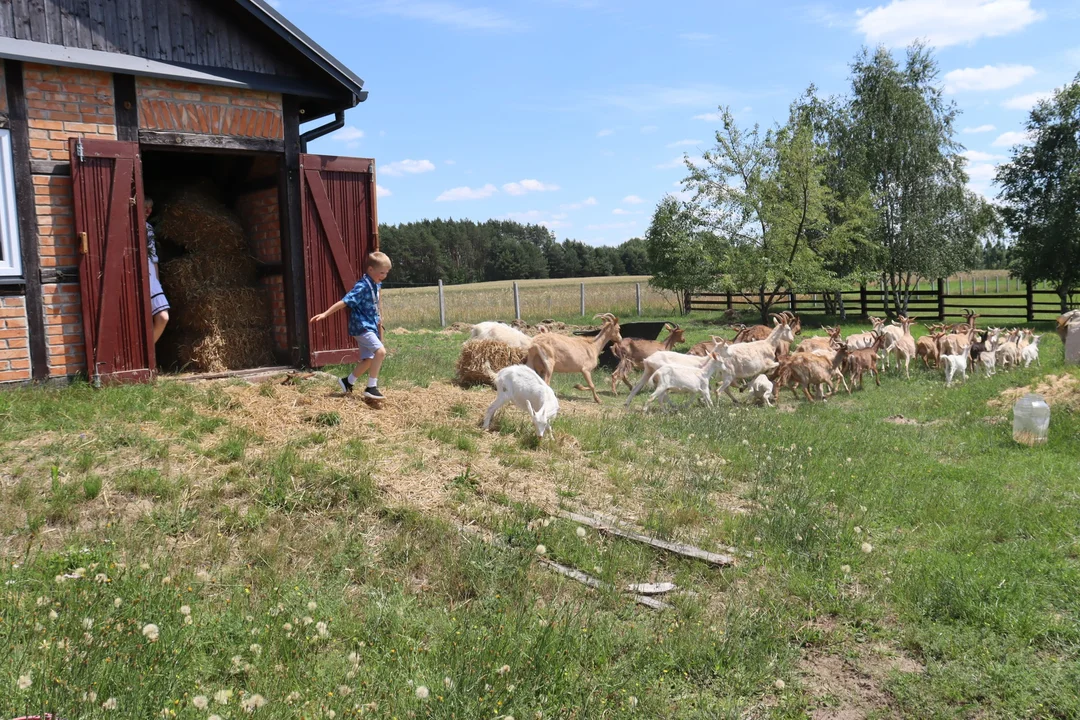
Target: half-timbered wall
196	32
189	107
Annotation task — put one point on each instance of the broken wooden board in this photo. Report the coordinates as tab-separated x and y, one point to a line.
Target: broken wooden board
651	588
677	548
596	584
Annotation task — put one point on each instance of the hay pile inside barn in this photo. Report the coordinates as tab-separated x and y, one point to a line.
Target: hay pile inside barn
220	313
481	359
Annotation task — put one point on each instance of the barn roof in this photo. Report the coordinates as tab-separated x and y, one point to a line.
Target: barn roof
206	41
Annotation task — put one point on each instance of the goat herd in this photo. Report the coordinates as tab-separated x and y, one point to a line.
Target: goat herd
758	358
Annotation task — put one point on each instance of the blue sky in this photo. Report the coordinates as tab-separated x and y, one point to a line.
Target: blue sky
575	113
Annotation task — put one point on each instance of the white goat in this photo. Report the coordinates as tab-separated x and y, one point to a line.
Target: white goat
683	379
1030	353
956	364
501	332
521	385
748	360
663	358
761	389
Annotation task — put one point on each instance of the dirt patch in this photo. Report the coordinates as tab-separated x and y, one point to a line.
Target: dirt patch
851	689
1060	391
901	420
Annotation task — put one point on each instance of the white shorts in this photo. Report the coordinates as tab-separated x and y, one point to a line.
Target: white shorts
369	342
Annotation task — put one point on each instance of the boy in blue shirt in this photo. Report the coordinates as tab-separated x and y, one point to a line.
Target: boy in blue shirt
364	324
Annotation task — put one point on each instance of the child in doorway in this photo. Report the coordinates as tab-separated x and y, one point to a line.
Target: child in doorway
364	324
159	304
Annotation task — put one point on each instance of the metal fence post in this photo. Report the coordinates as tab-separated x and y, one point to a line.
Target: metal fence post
442	306
517	302
582	299
637	291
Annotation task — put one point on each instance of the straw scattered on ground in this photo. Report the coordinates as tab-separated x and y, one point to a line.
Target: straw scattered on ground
218	350
1059	391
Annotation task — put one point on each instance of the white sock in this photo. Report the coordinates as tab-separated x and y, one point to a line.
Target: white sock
372	382
352	379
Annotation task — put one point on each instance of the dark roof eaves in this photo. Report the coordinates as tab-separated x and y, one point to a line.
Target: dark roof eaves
298	39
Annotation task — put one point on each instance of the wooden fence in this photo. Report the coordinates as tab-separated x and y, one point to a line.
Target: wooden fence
931	303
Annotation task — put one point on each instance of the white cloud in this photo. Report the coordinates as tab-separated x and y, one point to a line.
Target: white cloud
612	226
708	117
539	217
1008	139
467	193
1026	102
554	224
587	202
976	156
381	192
639	98
979	129
439	12
349	135
684	143
956	22
679	162
526	186
981	172
988	77
632	200
410	167
605	132
646	129
449	162
620	211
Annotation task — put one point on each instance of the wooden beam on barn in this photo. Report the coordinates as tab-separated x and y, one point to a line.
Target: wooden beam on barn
677	548
50	167
292	235
198	141
126	107
27	215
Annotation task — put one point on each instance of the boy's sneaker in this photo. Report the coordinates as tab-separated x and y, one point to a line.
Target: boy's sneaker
373	393
345	385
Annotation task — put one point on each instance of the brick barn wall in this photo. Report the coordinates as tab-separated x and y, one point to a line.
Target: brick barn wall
260	217
188	107
14	340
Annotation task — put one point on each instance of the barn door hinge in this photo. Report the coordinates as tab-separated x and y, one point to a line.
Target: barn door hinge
79	149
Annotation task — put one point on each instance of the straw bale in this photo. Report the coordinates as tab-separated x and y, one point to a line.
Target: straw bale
221	309
217	351
197	271
480	358
199	223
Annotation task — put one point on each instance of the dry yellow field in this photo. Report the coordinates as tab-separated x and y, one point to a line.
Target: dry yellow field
540	299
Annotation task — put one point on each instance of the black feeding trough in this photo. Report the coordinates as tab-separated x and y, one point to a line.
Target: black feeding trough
645	330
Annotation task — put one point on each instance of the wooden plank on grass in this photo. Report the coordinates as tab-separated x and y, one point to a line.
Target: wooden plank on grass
678	548
592	582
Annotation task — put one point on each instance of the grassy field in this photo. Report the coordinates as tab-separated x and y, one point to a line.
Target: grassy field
276	550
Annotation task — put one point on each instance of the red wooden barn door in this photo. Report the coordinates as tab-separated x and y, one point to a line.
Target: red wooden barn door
340	229
113	270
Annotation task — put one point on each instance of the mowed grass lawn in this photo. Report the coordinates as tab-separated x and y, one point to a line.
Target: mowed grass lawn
276	551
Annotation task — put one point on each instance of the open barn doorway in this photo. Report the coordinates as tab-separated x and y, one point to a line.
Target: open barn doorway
217	227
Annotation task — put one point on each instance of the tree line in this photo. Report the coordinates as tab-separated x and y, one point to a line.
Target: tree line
871	185
464	251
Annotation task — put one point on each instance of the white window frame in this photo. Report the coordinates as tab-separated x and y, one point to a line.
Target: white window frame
11	264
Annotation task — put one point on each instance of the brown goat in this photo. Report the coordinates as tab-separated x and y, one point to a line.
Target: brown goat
760	332
551	353
820	342
633	351
926	347
857	362
704	347
805	369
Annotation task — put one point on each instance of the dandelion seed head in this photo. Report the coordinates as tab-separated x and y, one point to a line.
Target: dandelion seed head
344	690
632	701
845	569
111	704
89	696
166	580
287	627
867	547
256	649
447	683
101	578
779	684
252	703
308	620
88	623
117	602
221	697
580	532
292	697
53	614
504	669
25	681
422	692
151	632
541	550
312	605
354	658
200	701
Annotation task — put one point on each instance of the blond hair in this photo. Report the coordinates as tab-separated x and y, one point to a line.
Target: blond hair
379	261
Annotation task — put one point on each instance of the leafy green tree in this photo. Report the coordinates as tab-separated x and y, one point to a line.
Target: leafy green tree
765	197
900	146
683	257
1040	194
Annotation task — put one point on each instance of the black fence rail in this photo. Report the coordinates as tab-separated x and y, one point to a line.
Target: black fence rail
929	304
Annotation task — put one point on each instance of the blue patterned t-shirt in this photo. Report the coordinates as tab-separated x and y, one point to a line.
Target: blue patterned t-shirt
363	304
